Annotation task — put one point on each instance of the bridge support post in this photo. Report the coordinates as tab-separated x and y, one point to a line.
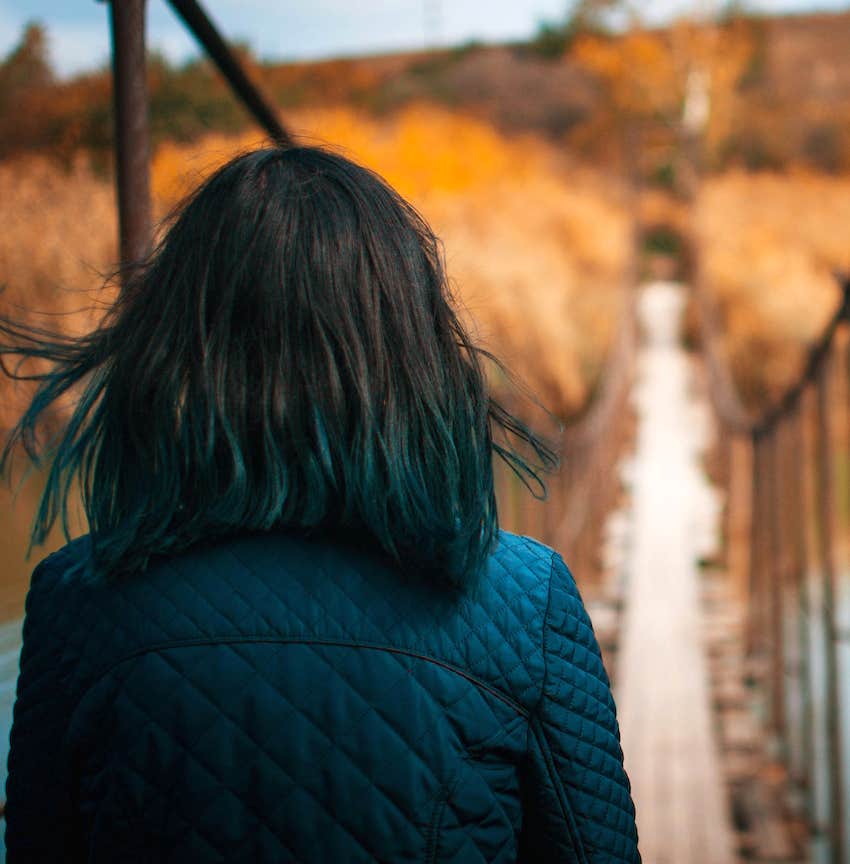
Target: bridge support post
826	518
739	514
132	133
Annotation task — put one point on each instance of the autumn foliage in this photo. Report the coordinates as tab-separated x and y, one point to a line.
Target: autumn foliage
770	247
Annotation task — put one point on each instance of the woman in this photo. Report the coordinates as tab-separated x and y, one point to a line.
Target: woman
294	632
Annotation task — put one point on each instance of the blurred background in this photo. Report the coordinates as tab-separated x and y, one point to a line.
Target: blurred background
567	154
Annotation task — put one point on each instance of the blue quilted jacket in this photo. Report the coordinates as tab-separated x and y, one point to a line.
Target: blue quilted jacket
275	699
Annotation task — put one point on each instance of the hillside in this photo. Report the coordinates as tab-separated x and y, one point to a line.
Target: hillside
780	92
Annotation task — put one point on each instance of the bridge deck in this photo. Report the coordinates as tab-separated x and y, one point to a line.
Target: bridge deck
662	686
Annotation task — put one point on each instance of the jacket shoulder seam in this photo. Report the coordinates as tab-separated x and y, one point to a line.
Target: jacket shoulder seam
545	626
238	639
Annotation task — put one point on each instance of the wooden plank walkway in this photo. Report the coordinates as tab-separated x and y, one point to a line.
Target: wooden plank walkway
662	686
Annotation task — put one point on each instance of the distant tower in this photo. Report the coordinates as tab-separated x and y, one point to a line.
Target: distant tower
432	21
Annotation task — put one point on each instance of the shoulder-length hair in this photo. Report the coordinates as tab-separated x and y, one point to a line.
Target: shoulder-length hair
288	357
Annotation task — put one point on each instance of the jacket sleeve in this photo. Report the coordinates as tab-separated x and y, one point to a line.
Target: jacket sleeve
577	797
38	789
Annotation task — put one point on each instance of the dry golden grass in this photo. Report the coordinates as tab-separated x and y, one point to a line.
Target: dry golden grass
58	237
768	248
59	230
537	254
57	242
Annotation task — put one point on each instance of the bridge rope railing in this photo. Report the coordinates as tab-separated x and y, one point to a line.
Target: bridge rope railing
786	533
582	493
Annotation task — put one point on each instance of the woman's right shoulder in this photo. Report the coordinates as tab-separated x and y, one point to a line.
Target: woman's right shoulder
533	581
520	563
507	613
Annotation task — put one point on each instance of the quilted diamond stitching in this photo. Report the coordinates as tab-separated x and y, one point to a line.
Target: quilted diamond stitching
221	784
500	640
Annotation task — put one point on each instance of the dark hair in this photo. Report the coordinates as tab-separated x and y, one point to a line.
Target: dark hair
287	357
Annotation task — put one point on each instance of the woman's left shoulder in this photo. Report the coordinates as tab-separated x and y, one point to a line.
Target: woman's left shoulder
59	570
55	599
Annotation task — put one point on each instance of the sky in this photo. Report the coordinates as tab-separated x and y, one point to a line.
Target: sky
303	29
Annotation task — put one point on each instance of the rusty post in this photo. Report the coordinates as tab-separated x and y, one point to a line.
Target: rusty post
788	517
740	512
800	574
775	584
803	552
757	550
724	444
842	587
819	768
132	136
825	499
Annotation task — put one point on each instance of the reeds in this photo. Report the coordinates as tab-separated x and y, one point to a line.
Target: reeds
769	246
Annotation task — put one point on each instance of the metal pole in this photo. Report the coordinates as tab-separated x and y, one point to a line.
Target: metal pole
754	632
801	770
132	136
217	49
740	511
775	587
826	515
